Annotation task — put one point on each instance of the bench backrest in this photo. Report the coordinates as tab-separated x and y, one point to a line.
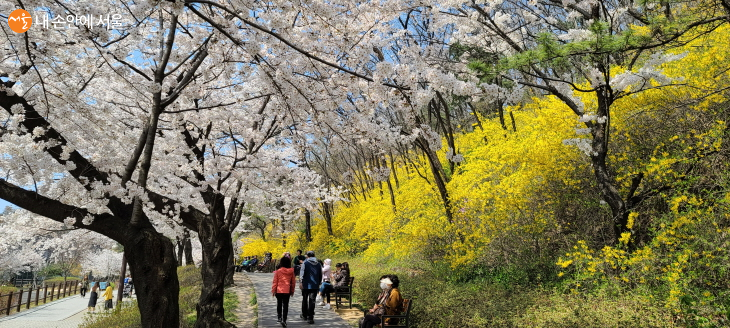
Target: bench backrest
407	304
349	282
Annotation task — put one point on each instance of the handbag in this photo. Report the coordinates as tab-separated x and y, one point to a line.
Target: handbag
379	312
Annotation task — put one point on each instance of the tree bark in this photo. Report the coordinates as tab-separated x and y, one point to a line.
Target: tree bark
606	183
233	218
180	250
438	176
122	275
392	194
308	224
217	249
152	262
188	249
231	270
392	169
327	217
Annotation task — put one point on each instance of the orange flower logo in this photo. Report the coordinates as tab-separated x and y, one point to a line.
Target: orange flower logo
20	20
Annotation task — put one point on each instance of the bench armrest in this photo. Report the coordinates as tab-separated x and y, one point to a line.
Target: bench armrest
400	316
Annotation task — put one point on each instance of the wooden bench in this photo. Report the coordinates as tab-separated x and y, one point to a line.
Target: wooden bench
344	292
403	318
269	267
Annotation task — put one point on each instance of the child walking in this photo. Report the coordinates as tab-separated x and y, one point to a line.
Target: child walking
108	295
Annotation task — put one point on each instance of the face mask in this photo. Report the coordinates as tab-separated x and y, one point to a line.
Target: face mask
383	285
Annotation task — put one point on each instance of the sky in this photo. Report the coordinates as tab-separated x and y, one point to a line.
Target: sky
3	204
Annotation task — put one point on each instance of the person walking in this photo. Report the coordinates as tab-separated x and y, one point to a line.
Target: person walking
298	260
108	296
93	297
309	279
283	288
84	285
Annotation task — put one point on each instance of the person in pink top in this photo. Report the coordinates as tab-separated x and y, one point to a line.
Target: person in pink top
283	288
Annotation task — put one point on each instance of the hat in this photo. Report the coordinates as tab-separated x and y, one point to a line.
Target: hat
387	281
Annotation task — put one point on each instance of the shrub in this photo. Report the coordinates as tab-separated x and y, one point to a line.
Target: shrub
126	317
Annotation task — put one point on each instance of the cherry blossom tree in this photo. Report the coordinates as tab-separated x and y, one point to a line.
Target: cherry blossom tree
31	242
100	108
102	262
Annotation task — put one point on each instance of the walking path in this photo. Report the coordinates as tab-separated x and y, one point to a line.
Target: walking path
267	307
64	313
244	290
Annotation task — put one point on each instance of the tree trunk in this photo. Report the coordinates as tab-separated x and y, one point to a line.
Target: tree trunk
180	249
122	275
188	250
217	249
230	271
152	262
308	223
392	169
438	175
514	124
327	217
611	195
392	195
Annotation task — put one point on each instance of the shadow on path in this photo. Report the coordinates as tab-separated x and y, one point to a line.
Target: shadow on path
267	307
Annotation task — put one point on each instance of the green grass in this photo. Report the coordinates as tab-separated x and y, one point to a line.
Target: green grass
230	303
255	307
58	280
7	289
443	302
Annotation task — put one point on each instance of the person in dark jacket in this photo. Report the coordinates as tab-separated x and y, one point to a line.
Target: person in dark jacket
298	262
342	275
309	279
84	287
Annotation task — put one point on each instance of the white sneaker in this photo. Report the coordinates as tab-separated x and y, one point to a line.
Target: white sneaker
320	304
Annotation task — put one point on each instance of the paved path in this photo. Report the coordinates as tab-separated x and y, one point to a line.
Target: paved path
267	307
64	313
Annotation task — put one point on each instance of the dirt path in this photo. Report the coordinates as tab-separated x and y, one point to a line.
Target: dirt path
245	312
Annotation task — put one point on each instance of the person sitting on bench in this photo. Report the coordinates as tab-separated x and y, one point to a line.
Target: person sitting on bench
267	260
252	264
389	302
341	275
